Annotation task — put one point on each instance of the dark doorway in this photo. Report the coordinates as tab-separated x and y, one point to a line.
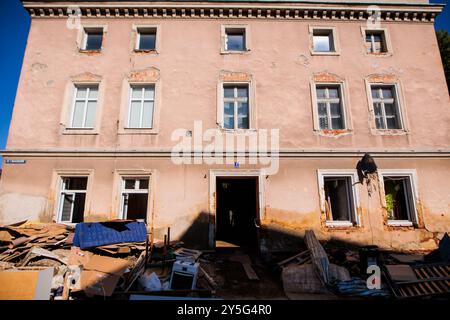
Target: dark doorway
237	215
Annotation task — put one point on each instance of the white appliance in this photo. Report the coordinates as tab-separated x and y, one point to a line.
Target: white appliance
184	275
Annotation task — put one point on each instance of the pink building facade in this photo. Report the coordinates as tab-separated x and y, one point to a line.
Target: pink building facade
106	98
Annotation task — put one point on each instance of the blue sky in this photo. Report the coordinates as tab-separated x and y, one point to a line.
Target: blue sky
14	26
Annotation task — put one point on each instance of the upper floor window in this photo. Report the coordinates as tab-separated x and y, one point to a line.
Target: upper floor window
141	109
386	107
236	106
146	39
93	38
375	41
84	107
72	198
329	107
235	39
323	40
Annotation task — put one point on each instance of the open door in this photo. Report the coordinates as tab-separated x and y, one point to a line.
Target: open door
237	212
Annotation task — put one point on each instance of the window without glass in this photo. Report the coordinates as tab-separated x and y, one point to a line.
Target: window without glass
72	199
93	39
235	39
385	107
146	39
134	198
236	107
375	42
339	202
399	198
323	40
329	106
84	107
142	100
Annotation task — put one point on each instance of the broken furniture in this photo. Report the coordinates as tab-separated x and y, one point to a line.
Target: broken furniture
95	234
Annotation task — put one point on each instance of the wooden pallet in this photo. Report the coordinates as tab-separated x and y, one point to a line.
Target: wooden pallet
432	280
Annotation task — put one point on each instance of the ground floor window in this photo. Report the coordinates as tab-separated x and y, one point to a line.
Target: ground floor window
72	199
398	193
134	198
338	197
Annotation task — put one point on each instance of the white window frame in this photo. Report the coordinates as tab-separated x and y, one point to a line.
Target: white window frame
340	173
334	36
344	108
412	175
62	192
327	100
221	105
397	105
224	37
122	211
139	29
383	45
235	100
386	38
77	86
86	30
143	85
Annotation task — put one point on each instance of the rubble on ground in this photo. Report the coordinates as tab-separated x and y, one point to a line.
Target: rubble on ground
120	259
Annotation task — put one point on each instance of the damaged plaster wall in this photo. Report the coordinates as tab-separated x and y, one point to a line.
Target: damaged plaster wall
180	200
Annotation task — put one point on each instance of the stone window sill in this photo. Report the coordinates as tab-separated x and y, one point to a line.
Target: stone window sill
339	224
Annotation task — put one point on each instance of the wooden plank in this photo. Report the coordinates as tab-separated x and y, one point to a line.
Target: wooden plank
251	274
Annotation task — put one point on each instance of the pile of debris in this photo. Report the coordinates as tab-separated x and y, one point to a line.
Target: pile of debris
343	272
118	259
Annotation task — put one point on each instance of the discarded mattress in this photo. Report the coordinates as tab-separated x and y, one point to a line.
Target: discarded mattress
94	234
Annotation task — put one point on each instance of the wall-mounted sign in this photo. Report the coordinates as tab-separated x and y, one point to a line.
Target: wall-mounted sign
15	161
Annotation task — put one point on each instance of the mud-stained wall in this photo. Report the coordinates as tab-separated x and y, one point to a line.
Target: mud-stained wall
180	199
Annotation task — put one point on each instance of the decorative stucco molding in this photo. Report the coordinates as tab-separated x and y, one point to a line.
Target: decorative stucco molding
150	74
234	76
86	77
327	77
382	78
233	10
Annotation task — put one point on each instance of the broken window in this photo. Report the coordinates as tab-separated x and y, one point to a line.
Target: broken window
323	40
142	100
235	39
236	106
135	198
93	39
339	202
84	107
375	41
399	198
72	199
329	106
146	39
385	107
